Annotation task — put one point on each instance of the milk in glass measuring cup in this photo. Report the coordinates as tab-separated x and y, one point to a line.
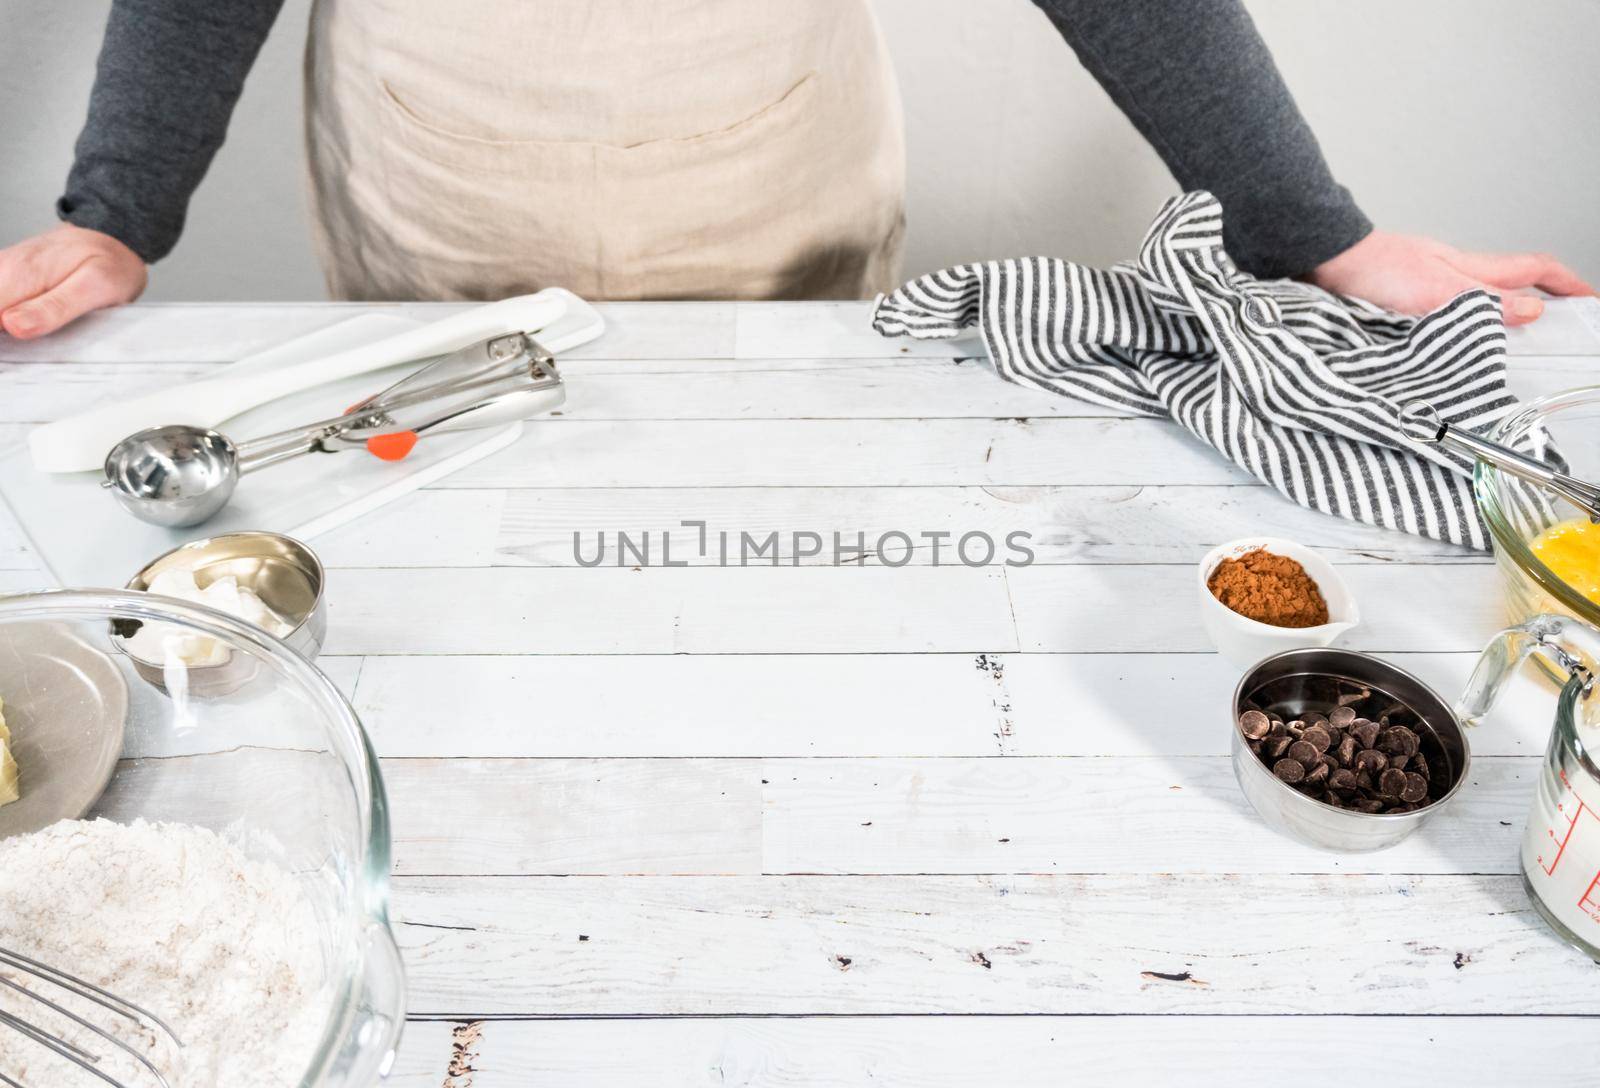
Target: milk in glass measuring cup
1561	844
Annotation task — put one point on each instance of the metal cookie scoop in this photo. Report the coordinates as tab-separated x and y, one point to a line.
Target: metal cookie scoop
1420	423
179	475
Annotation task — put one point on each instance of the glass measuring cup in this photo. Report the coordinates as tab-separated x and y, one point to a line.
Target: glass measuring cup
1561	843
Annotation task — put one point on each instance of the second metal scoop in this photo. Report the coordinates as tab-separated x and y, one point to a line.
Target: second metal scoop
180	475
1420	423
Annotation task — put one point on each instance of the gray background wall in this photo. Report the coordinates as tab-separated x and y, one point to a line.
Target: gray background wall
1471	120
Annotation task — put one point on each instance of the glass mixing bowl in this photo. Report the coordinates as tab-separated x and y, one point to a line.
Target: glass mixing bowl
1563	427
279	766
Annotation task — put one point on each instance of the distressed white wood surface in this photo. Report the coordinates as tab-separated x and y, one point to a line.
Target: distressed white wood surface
1016	1051
1105	608
862	799
1357	944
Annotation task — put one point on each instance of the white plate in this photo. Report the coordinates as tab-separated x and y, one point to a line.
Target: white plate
66	704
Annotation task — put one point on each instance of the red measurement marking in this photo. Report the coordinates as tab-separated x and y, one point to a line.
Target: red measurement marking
1589	904
1587	901
1561	848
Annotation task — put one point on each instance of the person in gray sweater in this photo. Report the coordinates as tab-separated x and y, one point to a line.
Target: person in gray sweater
672	149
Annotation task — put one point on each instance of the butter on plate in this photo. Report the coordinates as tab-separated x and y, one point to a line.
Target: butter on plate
9	790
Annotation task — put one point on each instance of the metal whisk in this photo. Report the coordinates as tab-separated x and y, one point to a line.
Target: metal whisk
88	991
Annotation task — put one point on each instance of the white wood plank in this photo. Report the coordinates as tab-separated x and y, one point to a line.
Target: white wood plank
22	581
1079	609
637	389
559	817
211	332
906	816
656	610
843	705
219	332
37	392
1014	1051
679	705
1124	524
15	551
663	330
422	529
875	388
707	946
1164	814
1569	326
830	330
575	816
885	387
847	453
184	332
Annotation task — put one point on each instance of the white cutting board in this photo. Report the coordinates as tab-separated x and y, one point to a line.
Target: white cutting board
84	538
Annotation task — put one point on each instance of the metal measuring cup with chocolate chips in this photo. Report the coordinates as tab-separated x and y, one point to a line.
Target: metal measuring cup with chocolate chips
1343	750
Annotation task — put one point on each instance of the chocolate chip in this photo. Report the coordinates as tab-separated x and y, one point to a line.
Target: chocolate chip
1289	771
1391	782
1415	789
1255	724
1342	744
1371	761
1346	751
1398	741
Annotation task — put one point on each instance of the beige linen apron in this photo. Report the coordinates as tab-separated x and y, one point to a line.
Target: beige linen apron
621	148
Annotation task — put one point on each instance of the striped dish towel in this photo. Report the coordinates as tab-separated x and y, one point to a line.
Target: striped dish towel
1299	387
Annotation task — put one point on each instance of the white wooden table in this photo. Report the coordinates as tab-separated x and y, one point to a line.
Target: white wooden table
925	825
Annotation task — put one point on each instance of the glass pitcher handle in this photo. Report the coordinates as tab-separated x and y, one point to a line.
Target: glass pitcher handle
1545	634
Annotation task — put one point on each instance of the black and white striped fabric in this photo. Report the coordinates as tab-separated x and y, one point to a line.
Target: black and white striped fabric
1299	387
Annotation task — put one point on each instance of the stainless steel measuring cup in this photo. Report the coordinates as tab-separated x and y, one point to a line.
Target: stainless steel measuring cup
180	475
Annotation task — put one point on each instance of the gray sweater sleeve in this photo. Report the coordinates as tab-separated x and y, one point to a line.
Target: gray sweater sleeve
169	74
1198	82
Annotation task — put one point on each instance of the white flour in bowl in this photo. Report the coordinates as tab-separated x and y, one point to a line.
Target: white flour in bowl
176	919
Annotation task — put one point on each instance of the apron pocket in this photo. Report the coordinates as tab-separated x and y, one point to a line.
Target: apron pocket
494	155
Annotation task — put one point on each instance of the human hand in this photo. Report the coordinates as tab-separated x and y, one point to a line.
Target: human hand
56	277
1415	275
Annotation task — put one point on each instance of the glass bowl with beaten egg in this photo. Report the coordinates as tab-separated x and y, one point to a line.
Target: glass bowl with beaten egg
1547	551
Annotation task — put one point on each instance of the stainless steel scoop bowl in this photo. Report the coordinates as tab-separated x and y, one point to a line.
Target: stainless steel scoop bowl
174	475
180	475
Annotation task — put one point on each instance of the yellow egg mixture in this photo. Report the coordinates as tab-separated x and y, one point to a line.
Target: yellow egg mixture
1571	549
